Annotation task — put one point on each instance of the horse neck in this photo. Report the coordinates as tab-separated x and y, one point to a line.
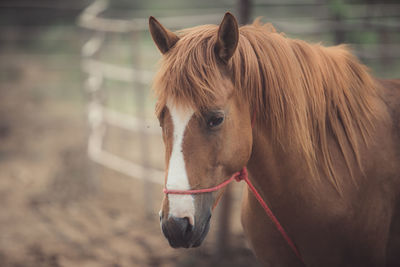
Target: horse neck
280	174
270	167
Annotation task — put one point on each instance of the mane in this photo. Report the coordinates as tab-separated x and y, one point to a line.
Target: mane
304	93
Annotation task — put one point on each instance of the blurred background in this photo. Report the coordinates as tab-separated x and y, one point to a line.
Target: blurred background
81	157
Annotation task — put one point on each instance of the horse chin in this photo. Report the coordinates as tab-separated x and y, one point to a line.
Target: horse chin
185	237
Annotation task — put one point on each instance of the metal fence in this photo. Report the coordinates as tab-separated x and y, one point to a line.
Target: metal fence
100	116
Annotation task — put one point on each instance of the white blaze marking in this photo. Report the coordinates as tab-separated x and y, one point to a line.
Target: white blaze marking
179	205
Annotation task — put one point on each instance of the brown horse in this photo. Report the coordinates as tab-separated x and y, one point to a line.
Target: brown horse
324	152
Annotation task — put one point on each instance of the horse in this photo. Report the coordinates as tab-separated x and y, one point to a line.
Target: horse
320	137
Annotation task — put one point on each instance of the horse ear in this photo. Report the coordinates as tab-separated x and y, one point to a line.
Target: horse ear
164	38
228	37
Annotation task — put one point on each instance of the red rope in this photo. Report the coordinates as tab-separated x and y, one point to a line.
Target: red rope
200	191
267	210
239	176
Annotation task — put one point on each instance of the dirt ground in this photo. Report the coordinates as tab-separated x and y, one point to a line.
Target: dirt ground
60	209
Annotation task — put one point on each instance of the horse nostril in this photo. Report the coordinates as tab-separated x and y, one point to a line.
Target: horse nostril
178	231
182	224
189	227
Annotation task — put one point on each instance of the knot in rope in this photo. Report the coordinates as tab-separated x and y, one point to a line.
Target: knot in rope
241	175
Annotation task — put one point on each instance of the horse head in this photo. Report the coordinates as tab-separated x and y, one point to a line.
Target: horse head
206	126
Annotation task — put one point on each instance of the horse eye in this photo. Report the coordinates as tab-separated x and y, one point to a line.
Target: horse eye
215	121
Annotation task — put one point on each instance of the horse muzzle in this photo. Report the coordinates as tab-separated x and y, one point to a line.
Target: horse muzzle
180	233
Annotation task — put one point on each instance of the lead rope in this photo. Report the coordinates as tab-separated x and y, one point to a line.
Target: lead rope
239	176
